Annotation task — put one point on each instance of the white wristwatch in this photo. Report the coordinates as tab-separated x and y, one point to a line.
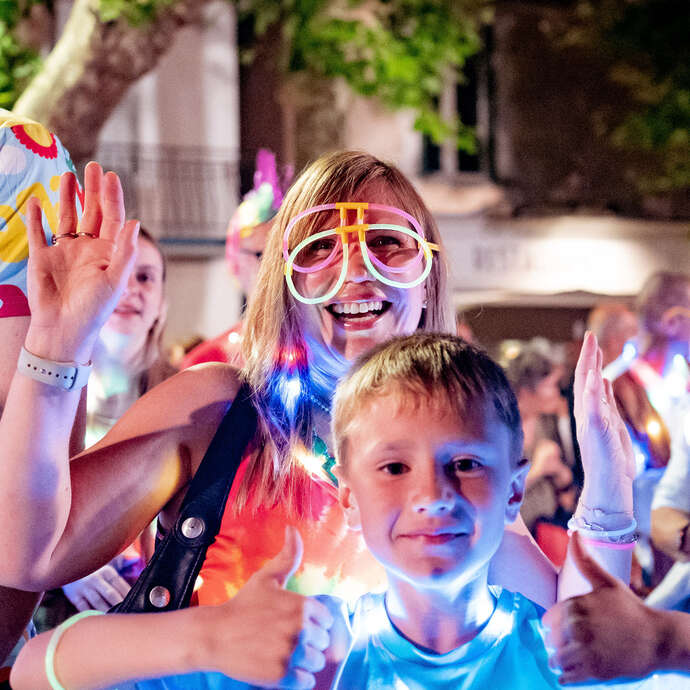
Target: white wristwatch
68	375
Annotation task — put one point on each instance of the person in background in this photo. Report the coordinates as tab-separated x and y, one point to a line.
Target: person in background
31	162
652	396
665	310
614	324
549	491
127	362
128	359
244	245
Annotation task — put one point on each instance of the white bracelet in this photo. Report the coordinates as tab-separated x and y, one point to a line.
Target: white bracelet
67	375
625	535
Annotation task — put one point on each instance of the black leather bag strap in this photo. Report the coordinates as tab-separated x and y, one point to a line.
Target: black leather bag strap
168	580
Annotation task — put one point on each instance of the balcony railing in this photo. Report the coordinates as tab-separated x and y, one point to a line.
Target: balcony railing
182	194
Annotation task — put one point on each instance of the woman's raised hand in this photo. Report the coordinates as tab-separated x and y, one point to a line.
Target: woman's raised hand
605	446
75	284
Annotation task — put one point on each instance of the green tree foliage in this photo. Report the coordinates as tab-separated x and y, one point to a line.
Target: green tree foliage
648	43
136	12
398	50
18	62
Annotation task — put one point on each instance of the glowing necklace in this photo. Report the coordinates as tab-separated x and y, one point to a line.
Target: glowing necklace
319	404
319	447
320	450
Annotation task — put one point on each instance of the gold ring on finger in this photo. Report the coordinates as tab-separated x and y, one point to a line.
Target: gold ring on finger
71	235
86	234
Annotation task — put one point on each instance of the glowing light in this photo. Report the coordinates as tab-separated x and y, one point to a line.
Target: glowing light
659	399
290	389
653	428
629	352
234	337
309	461
677	377
640	462
512	351
679	361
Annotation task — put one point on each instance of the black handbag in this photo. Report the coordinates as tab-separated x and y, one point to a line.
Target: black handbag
168	580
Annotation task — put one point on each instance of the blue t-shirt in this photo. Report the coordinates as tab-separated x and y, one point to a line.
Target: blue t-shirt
508	654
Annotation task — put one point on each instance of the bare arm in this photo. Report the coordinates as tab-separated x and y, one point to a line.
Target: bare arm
72	286
16	607
670	532
520	566
12	333
671	505
117	487
60	520
279	642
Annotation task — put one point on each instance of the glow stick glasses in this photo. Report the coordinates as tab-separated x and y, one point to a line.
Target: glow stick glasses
388	250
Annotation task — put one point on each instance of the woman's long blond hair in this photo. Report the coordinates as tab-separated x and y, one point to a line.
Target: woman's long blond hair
274	342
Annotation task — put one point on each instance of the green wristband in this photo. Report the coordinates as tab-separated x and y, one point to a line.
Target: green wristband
55	640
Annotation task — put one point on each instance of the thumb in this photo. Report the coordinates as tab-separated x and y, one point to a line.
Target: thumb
587	566
282	566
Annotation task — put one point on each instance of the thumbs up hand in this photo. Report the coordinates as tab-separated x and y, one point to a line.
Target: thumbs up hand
266	635
605	634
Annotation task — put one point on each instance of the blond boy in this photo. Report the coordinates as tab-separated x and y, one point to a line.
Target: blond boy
428	443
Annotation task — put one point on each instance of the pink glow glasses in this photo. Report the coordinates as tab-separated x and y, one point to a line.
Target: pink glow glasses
388	250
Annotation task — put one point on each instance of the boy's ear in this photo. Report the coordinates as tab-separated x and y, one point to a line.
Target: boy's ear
517	490
349	503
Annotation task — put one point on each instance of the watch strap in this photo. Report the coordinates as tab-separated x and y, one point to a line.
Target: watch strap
66	375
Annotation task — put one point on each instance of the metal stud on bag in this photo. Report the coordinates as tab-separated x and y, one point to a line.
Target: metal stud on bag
159	597
192	527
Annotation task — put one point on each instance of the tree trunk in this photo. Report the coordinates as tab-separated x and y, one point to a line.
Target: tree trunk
91	67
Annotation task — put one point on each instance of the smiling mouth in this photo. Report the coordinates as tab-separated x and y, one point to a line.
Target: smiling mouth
346	311
435	536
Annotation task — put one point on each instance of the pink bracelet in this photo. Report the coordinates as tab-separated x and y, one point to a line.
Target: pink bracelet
607	544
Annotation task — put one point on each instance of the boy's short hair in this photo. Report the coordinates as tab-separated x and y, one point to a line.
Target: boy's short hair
426	365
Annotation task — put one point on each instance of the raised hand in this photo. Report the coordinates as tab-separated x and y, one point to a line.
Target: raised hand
605	446
75	284
266	635
605	634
